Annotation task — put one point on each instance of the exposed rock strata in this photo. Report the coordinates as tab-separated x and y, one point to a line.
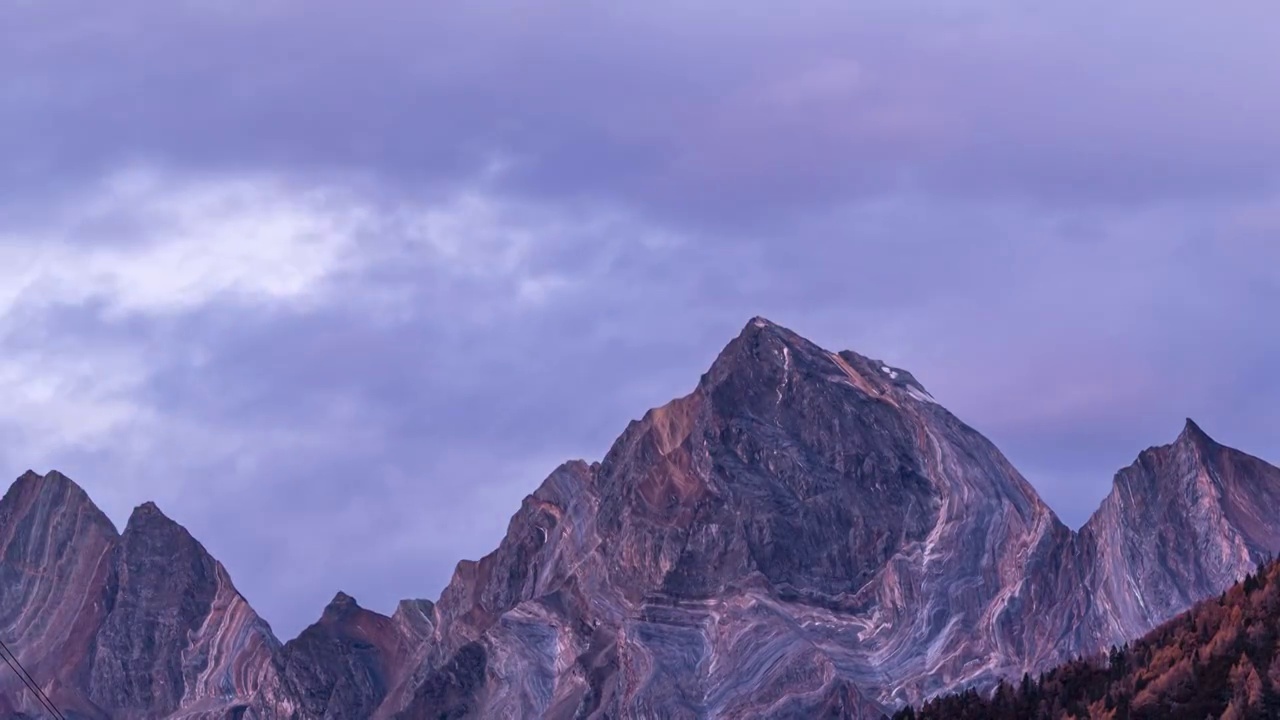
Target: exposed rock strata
55	559
1182	523
804	529
343	665
177	634
806	534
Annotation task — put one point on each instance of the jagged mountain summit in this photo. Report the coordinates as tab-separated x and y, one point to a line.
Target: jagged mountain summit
806	534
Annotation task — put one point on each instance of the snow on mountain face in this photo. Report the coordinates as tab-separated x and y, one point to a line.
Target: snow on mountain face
806	534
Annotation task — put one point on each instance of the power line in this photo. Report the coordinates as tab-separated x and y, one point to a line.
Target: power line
14	664
27	680
11	660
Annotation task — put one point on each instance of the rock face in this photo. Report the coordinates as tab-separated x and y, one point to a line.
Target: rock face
343	665
142	624
177	635
55	560
803	526
1182	523
806	534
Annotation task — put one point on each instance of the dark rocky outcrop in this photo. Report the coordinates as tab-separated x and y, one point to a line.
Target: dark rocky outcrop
806	534
343	665
177	634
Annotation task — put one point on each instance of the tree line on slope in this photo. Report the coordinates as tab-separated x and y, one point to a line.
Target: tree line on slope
1217	660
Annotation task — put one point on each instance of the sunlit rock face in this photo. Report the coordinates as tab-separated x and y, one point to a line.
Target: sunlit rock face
136	625
56	555
1182	523
806	534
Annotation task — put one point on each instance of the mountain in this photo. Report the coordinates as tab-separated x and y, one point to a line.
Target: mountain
56	563
804	529
1221	659
806	534
1180	524
139	624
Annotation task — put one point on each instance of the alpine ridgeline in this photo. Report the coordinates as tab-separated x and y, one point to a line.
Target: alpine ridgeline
1220	659
807	534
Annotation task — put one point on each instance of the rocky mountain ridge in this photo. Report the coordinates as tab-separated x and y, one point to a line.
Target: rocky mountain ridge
806	534
1220	659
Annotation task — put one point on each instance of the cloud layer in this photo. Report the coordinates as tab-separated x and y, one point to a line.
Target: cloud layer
337	285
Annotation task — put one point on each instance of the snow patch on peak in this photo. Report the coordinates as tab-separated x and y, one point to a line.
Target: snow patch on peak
918	394
905	382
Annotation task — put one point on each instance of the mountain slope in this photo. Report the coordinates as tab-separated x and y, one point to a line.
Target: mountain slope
55	559
343	665
1220	659
804	523
806	534
1181	523
135	625
177	634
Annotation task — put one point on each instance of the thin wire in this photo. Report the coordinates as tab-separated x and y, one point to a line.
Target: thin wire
29	681
24	681
35	689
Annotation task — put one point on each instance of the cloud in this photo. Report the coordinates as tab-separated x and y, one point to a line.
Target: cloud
140	244
183	338
111	286
63	401
336	284
727	115
147	243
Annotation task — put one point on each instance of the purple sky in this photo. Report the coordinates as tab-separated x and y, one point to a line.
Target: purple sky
336	284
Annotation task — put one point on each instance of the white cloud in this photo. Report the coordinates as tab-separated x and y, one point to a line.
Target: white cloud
474	236
142	243
145	243
479	236
141	248
56	400
104	296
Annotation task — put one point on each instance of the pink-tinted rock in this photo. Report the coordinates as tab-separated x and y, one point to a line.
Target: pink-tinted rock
806	534
55	559
1182	523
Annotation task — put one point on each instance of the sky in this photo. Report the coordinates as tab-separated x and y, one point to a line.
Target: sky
337	284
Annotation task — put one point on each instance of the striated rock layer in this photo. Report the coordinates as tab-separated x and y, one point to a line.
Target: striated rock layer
1182	523
142	624
807	534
